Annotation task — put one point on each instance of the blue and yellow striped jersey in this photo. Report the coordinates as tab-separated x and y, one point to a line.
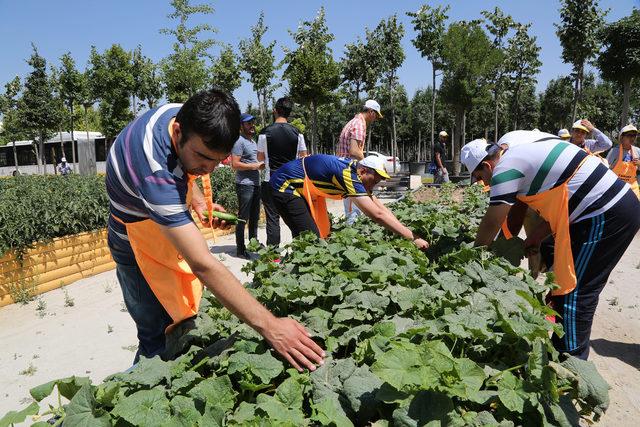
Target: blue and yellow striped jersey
331	174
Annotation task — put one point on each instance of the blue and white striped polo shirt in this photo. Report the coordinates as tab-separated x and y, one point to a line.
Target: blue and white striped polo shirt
145	179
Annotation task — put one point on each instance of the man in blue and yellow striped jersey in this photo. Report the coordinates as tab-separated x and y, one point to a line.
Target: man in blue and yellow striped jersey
301	186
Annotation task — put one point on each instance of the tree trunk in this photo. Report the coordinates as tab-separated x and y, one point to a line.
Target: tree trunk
36	149
433	108
578	93
495	123
133	105
460	119
86	125
516	107
15	157
61	140
314	124
419	144
43	154
73	151
394	142
625	102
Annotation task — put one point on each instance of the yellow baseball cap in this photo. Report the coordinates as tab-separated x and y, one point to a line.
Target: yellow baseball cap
578	125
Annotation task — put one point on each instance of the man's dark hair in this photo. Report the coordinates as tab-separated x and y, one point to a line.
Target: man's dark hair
213	115
284	106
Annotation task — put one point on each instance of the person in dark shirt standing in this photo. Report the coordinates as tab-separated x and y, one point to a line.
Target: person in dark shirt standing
439	154
278	143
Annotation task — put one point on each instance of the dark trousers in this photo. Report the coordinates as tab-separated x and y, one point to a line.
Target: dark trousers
295	213
273	218
150	316
249	210
597	245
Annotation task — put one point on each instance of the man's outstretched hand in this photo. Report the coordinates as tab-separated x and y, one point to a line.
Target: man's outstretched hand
294	343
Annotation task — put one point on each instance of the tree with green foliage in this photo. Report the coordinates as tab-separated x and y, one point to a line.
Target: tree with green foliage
225	72
580	24
147	85
359	71
522	65
111	82
429	24
258	61
10	130
385	42
71	87
38	115
555	105
185	71
469	60
620	59
498	24
311	71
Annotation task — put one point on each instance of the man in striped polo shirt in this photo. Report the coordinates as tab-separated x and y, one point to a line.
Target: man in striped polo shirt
351	144
586	208
162	259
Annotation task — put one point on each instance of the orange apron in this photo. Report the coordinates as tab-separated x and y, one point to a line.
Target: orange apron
627	171
167	273
553	206
317	201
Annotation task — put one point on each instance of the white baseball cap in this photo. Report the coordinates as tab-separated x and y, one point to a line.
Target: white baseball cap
373	105
64	159
564	134
578	125
443	133
376	163
473	153
628	128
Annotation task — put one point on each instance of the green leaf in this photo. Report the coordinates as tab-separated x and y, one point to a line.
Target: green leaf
66	386
329	413
145	407
81	411
16	417
263	366
216	389
149	372
183	412
511	400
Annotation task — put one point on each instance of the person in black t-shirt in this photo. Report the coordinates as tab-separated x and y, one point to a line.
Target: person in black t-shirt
441	174
278	143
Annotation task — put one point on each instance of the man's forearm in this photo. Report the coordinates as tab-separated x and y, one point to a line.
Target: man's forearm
230	292
245	166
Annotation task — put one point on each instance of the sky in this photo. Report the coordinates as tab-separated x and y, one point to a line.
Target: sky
56	27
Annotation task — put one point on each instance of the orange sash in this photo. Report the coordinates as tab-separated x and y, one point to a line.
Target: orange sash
317	201
553	206
627	171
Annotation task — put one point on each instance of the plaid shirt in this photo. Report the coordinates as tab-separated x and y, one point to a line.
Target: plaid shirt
355	129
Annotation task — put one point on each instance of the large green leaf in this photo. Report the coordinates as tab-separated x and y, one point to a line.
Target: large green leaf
16	417
82	411
144	408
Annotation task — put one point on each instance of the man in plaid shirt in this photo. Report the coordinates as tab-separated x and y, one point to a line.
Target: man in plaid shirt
351	144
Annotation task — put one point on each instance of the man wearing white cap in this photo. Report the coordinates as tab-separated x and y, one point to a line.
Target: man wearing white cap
587	212
63	167
625	159
301	187
351	143
579	132
439	154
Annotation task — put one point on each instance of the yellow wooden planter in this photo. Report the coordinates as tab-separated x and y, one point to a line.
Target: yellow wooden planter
51	265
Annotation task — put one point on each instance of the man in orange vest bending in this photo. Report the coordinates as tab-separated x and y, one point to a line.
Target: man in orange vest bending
586	208
162	259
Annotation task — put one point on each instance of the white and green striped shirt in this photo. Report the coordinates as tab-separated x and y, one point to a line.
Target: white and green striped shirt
531	168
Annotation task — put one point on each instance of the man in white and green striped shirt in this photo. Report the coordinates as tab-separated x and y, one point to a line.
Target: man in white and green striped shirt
597	211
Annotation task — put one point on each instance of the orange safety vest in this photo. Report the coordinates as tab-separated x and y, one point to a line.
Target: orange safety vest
317	202
167	273
627	171
553	206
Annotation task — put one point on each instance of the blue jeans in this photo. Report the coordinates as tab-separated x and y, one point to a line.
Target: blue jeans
150	316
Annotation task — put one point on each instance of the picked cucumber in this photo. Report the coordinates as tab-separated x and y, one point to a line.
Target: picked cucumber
230	218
